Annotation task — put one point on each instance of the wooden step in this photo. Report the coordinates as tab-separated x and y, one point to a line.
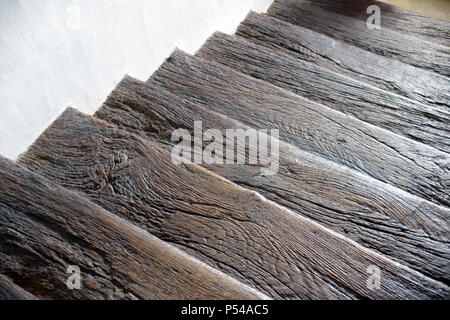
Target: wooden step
385	42
406	228
388	74
11	291
381	108
46	228
233	229
392	17
404	163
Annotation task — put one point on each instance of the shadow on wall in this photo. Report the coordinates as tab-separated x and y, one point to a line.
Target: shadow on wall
55	53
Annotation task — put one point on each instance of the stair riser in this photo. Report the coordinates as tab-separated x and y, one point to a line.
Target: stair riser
361	65
413	167
413	51
367	103
369	212
228	227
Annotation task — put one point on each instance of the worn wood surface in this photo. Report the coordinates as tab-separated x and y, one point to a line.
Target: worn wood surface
46	228
392	17
381	108
339	56
236	230
408	229
411	166
385	42
11	291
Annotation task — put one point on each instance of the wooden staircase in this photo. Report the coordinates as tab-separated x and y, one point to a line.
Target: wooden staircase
363	180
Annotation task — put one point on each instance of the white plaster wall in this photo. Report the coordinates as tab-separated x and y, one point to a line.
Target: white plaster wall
55	53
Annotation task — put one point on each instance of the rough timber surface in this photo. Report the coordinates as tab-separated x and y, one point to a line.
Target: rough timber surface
234	229
408	229
392	17
379	107
10	291
45	228
385	42
362	65
404	163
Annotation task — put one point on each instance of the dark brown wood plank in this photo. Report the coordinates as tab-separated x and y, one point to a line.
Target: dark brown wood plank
381	108
45	228
404	163
385	42
231	228
11	291
408	229
362	65
392	17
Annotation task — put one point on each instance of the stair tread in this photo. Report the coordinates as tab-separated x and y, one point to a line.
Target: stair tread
386	219
11	291
419	53
404	116
404	163
234	229
362	65
46	228
392	17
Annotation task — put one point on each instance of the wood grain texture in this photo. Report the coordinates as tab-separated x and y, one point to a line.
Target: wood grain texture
392	17
385	42
408	229
381	108
11	291
404	163
231	228
362	65
46	228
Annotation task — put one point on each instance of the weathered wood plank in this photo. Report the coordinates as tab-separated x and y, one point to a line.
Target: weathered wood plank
381	108
362	65
404	163
408	229
385	42
10	291
392	17
233	229
45	228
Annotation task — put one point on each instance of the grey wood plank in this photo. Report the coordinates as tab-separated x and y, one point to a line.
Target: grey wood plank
11	291
390	111
45	229
392	17
235	230
406	228
385	42
404	163
362	65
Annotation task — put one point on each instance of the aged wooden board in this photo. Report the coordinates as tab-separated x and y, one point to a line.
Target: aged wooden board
392	17
45	229
11	291
385	42
339	56
406	228
411	166
381	108
236	230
